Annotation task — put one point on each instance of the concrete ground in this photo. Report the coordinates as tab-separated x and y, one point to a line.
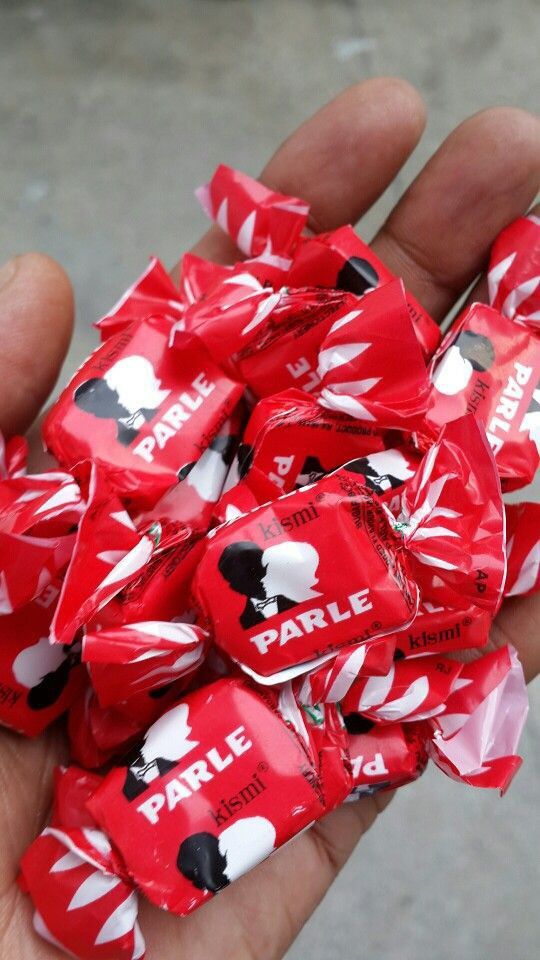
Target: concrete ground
111	113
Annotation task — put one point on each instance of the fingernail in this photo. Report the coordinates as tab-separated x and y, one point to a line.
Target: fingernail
6	272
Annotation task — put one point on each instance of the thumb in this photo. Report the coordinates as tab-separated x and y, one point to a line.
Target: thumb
36	319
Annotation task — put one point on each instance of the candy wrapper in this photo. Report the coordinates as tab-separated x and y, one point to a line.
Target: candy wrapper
514	270
38	681
261	579
143	407
285	609
383	758
222	780
489	365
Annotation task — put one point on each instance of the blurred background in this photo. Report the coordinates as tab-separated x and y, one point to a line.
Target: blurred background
111	114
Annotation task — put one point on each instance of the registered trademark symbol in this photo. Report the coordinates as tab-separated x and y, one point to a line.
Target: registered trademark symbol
467	621
376	625
262	767
319	497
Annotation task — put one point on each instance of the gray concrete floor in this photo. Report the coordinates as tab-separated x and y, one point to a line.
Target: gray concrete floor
111	113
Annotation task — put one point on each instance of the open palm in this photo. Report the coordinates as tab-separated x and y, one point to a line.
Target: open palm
437	238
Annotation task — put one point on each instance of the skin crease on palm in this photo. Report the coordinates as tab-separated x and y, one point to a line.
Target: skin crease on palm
437	238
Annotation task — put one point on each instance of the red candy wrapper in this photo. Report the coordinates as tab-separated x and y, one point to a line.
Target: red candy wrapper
514	270
438	629
38	681
475	737
143	408
139	657
489	365
452	520
341	259
371	365
108	554
383	758
84	902
261	222
152	294
37	517
284	608
219	782
522	549
412	690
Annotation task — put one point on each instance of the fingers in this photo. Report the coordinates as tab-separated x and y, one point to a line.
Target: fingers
342	158
518	623
36	318
484	175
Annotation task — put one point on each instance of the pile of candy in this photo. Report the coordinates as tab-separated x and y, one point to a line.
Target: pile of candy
275	524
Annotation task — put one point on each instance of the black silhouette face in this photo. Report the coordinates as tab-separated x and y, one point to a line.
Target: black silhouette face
199	860
477	349
241	565
96	397
356	723
357	276
363	466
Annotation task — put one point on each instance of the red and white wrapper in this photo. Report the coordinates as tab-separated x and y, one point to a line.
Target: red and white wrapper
438	629
267	582
38	681
413	689
514	270
330	682
522	549
341	259
261	222
84	903
475	737
285	609
139	657
219	783
371	365
144	405
162	591
37	516
290	441
108	554
189	506
489	365
452	520
383	758
152	294
13	457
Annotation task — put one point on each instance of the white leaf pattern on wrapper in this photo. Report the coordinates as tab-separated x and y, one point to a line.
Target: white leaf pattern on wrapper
517	296
68	862
5	602
222	215
346	676
408	703
338	356
111	557
244	239
496	274
376	690
130	564
120	922
95	886
122	517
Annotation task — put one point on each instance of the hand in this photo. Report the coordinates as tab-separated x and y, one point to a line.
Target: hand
437	238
